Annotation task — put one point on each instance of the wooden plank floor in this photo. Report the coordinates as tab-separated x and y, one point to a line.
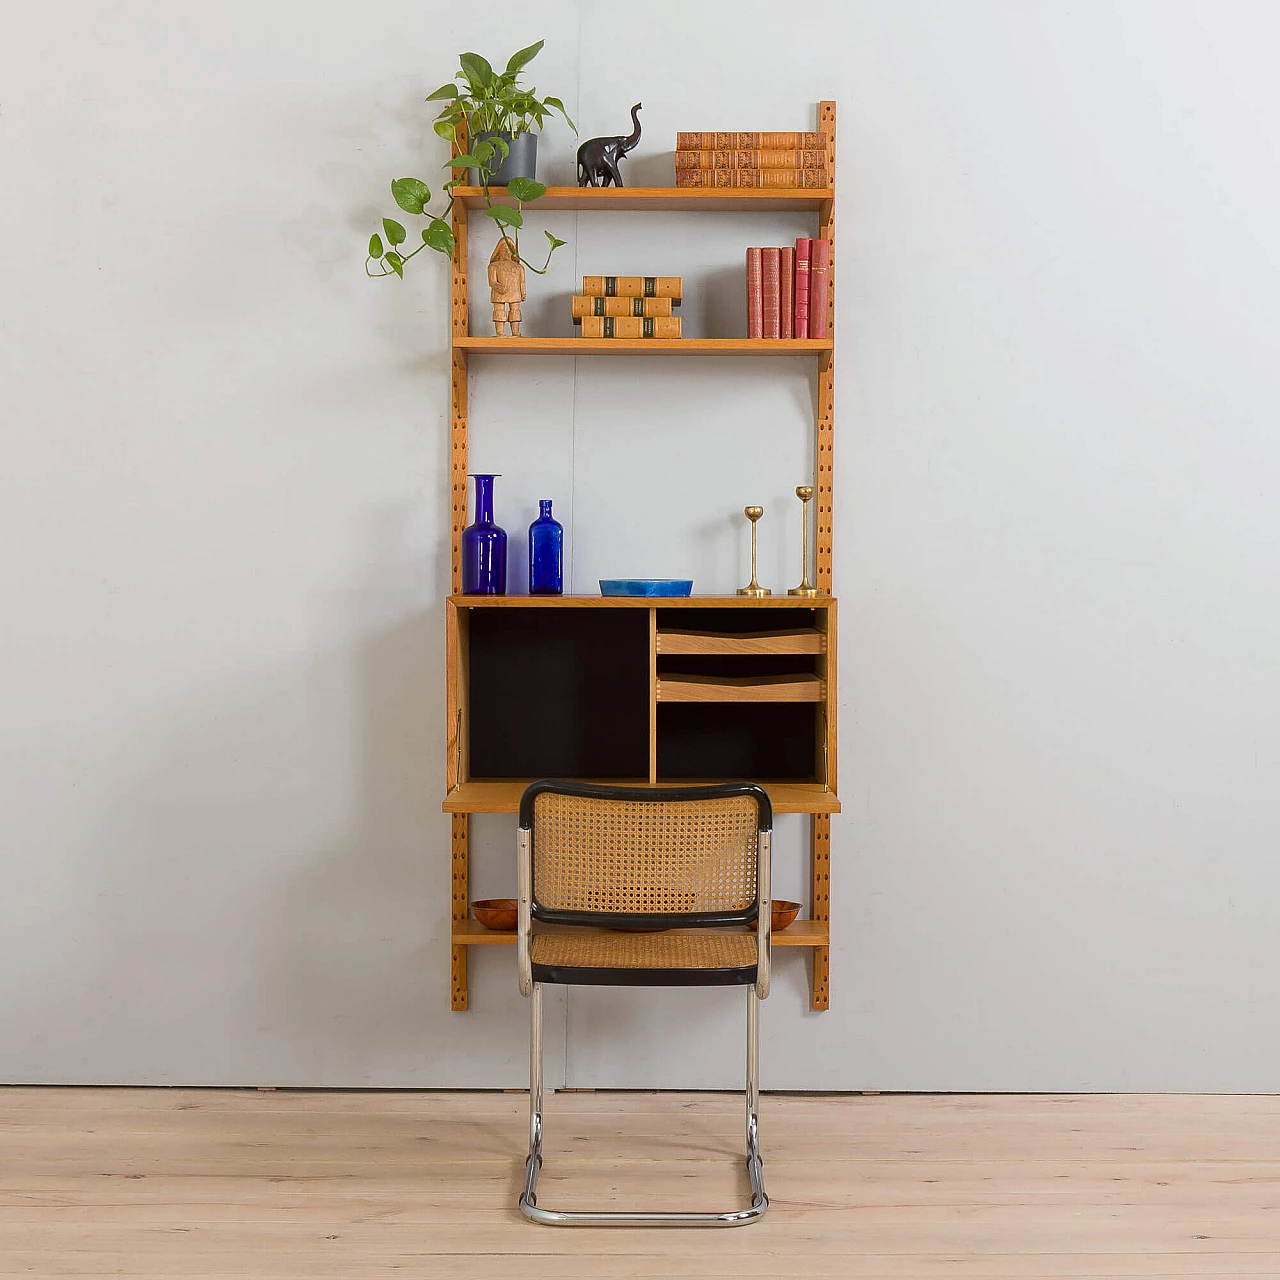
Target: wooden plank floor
306	1186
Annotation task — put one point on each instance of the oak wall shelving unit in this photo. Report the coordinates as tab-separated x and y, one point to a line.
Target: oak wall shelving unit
660	689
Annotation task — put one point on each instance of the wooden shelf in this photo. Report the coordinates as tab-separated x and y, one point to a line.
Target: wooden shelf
740	645
686	688
640	602
672	199
502	795
802	933
645	346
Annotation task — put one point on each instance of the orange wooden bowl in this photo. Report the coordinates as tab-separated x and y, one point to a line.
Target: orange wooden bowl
496	913
784	913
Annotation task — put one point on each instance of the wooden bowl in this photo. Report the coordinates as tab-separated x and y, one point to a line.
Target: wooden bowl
784	913
496	913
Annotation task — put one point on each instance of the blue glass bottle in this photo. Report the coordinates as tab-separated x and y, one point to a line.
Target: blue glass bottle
546	553
484	547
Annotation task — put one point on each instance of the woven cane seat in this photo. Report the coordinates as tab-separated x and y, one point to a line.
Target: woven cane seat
604	957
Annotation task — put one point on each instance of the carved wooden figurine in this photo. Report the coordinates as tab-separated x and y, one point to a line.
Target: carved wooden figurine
506	288
598	157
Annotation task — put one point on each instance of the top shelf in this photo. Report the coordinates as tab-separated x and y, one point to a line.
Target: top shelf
675	199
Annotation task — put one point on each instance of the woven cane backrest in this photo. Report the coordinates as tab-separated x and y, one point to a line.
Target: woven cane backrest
644	856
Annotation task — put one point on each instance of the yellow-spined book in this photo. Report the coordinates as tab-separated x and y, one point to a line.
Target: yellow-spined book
631	326
634	287
620	307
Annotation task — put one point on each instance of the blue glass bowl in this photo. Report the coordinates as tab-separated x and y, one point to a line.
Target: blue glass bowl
646	586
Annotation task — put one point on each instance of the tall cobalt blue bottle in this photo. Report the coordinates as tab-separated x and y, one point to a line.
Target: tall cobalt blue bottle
484	548
546	553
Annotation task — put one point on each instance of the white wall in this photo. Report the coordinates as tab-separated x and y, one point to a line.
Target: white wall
224	538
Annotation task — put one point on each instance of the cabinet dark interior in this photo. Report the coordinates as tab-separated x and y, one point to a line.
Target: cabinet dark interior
775	741
559	693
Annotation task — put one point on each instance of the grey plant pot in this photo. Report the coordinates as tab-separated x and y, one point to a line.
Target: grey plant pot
521	161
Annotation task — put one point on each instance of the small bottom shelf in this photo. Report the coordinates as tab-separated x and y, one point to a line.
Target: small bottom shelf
802	933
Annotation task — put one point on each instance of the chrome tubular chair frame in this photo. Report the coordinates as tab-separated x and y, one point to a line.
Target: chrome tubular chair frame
755	992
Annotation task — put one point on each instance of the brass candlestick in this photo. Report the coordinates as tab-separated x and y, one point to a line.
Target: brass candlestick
804	492
753	588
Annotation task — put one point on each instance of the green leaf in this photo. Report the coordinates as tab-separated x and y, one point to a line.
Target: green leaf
395	232
397	263
439	236
477	70
446	129
555	244
525	56
507	217
559	106
526	189
501	144
375	245
483	151
411	194
449	90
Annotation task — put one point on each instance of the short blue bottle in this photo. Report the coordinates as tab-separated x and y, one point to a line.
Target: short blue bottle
546	553
484	547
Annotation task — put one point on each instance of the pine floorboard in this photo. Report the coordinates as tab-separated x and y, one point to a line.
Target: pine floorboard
297	1185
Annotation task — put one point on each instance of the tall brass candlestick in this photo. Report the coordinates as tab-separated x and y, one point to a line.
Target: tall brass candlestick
804	492
753	588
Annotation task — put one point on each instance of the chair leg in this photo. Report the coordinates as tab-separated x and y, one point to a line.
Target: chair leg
533	1163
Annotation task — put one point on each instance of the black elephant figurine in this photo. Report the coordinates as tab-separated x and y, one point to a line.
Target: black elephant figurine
598	157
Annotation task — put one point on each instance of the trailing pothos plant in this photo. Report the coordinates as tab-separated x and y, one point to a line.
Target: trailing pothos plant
490	101
493	101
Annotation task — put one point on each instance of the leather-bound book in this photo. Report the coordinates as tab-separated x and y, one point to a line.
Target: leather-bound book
755	295
771	273
755	179
634	287
751	159
819	286
737	141
803	246
786	296
620	307
631	326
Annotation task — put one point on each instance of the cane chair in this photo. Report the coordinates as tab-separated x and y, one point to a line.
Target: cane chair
646	860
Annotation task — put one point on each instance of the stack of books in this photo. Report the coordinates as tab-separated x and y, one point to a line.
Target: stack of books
629	306
788	290
769	161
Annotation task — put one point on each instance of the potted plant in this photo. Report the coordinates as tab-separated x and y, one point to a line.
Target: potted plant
489	100
496	106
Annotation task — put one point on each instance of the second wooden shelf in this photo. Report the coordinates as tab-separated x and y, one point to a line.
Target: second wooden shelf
787	688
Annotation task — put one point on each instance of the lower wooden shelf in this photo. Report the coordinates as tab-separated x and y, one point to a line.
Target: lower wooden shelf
803	933
699	688
502	795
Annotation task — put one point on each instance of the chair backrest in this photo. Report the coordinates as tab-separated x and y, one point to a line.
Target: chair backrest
644	857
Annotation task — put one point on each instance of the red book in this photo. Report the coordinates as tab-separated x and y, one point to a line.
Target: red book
771	273
755	295
819	287
803	246
787	279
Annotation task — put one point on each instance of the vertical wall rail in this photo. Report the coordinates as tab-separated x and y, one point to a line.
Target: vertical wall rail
460	905
820	840
820	863
823	459
460	851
